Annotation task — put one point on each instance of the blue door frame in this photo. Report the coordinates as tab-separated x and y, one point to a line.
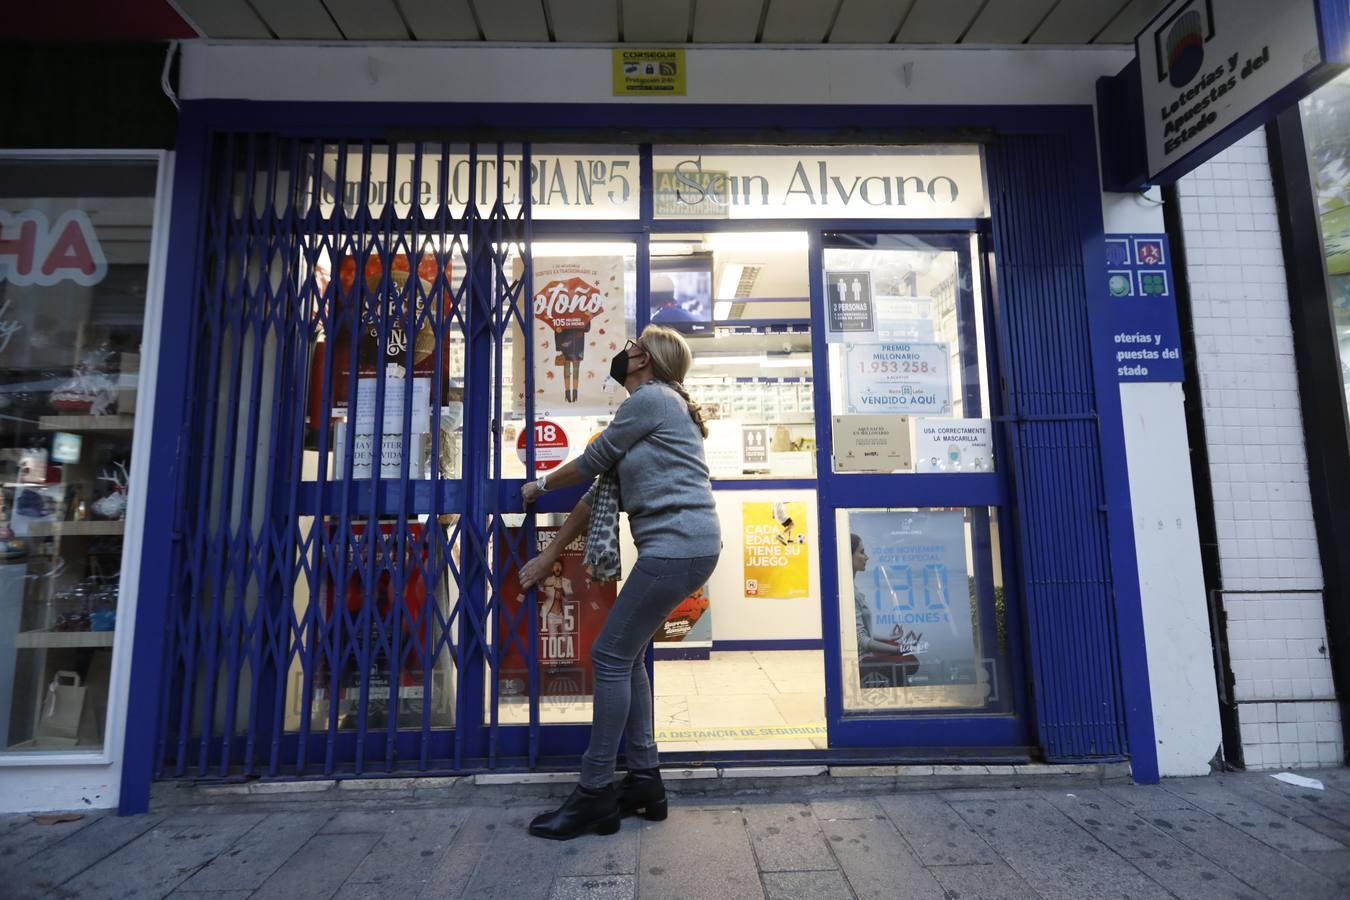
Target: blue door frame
1068	718
948	729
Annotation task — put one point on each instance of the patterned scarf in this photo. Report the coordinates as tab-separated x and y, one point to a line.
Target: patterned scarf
602	536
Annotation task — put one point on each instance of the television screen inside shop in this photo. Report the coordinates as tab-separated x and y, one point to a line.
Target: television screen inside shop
74	253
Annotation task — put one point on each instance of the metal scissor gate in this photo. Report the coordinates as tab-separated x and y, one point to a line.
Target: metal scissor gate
333	605
340	596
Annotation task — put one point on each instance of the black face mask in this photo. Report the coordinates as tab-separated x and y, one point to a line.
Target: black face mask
618	367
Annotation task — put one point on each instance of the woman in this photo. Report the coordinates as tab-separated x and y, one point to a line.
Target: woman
896	664
655	444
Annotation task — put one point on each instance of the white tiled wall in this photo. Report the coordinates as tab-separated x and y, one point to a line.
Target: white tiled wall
1284	735
1268	551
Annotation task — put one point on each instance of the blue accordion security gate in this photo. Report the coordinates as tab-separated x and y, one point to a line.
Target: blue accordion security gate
332	608
321	591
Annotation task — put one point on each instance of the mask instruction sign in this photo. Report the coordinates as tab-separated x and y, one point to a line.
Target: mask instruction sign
776	538
911	378
1204	64
953	445
577	316
848	305
912	589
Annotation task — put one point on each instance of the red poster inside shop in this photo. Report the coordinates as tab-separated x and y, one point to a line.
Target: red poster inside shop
383	594
371	358
572	611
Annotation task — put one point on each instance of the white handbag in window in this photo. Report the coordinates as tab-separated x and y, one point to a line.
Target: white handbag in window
62	708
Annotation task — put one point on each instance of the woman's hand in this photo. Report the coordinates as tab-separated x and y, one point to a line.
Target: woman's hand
536	569
530	492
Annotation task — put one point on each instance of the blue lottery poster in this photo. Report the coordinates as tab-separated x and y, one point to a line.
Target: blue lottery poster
912	589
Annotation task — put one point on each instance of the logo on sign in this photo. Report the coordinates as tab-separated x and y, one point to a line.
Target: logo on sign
568	304
35	252
1180	42
1148	252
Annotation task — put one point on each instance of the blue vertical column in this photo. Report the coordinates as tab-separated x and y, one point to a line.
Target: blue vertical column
1074	540
470	736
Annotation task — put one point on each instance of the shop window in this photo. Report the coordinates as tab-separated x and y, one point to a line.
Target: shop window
742	300
1326	129
582	311
378	283
922	620
907	356
74	265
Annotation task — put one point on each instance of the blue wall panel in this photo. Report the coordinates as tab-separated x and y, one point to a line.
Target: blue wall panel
1054	430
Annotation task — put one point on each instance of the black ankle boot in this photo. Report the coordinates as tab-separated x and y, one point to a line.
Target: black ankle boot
643	793
588	809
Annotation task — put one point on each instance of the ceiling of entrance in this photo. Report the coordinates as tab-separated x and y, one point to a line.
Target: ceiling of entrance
666	22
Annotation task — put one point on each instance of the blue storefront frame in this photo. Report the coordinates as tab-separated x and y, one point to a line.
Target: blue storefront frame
1071	126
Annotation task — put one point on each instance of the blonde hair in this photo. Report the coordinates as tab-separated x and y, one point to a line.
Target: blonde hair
671	358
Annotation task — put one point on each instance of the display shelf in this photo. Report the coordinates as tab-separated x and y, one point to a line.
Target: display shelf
86	423
63	640
90	528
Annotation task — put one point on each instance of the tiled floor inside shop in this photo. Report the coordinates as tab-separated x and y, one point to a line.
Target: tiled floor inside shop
742	700
735	700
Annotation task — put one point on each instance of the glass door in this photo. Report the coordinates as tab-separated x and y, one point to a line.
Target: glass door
920	639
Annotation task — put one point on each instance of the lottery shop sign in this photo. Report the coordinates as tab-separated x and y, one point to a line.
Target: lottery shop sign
1210	71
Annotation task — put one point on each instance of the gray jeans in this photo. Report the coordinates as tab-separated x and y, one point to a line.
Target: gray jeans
623	693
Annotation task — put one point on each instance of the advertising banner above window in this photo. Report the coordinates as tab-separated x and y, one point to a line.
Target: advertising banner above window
1211	70
928	182
598	182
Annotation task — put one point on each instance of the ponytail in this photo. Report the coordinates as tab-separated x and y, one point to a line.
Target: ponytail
695	411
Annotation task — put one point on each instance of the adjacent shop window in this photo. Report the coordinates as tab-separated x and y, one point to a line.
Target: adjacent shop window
1326	129
758	182
907	356
922	622
74	256
742	300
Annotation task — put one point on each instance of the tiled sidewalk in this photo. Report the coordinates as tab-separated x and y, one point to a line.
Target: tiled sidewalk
1225	836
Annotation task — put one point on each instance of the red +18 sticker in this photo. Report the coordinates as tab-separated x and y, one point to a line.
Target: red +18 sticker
550	445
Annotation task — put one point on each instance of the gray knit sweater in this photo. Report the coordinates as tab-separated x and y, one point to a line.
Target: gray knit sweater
663	475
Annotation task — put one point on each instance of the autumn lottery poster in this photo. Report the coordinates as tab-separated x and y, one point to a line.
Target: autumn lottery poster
577	310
